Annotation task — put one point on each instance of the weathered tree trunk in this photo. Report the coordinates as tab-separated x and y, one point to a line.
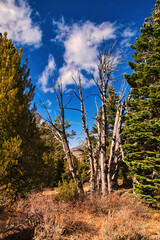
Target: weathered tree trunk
116	151
65	142
112	153
97	152
103	151
104	84
89	144
118	146
62	136
91	160
107	65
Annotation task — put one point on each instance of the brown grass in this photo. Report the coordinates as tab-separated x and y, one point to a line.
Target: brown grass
120	216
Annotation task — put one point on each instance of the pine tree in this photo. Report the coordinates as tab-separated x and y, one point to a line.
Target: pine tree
142	124
53	155
20	144
111	109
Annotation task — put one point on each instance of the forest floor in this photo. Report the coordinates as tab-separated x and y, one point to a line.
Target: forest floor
119	216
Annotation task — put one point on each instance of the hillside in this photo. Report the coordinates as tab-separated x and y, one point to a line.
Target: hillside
77	151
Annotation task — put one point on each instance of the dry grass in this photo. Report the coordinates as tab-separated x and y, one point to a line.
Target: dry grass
117	217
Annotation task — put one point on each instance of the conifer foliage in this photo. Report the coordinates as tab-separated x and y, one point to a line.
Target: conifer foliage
20	142
142	124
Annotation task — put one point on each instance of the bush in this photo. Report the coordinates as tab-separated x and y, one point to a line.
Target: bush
67	191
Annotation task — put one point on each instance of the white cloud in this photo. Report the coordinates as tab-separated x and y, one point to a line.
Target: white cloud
15	18
81	42
128	32
46	74
126	42
49	103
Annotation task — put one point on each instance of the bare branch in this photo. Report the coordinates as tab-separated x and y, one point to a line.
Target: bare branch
96	82
76	95
68	102
75	109
95	94
49	120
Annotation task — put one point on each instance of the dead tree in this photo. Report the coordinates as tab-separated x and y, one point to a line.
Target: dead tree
86	132
116	151
61	135
96	150
108	64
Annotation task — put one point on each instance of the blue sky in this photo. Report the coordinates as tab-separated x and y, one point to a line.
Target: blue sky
58	37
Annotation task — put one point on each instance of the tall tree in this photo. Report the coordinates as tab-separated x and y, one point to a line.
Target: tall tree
142	124
87	136
61	134
111	109
19	137
108	65
116	153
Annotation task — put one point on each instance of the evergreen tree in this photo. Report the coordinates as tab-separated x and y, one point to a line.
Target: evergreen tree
20	143
142	124
53	155
111	109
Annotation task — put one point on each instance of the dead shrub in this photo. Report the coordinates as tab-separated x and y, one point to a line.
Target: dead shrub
119	216
122	225
51	218
126	219
61	227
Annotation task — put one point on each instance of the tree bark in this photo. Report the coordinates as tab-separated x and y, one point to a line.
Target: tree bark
116	151
89	144
103	151
104	84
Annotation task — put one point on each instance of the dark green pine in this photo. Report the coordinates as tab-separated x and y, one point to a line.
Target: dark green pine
142	124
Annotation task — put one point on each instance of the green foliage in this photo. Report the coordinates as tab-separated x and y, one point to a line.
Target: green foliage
67	191
20	143
142	124
53	156
147	62
111	109
59	125
67	173
10	153
85	166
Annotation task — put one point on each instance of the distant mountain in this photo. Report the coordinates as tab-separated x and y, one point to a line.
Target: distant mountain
77	151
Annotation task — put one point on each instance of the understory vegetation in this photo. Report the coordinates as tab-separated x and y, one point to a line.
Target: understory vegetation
118	216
